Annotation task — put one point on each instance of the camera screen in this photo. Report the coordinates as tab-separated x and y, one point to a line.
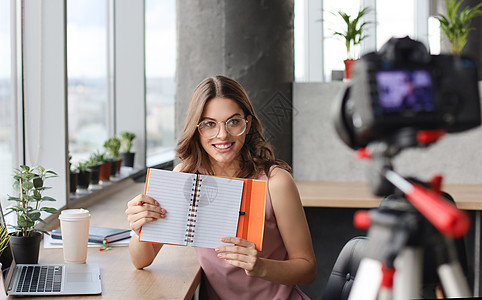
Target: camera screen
405	91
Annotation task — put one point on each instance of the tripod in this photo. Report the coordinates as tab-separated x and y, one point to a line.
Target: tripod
415	218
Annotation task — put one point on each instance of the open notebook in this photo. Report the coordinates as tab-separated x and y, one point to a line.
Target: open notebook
202	209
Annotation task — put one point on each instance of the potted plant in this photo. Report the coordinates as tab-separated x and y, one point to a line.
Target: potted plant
126	145
84	174
104	170
456	26
74	177
28	206
112	145
96	160
353	35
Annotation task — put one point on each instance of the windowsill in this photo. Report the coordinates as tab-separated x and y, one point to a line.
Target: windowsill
163	161
125	173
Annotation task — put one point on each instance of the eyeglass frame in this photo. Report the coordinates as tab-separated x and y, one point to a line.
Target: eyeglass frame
226	128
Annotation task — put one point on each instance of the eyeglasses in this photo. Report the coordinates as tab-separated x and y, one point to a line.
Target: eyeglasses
234	126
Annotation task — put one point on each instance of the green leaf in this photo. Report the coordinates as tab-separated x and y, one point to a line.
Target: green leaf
16	186
27	198
37	195
29	176
34	216
14	209
27	185
47	198
49	210
22	221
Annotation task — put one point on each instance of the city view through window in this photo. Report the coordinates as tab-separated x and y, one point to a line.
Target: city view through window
88	76
160	81
88	90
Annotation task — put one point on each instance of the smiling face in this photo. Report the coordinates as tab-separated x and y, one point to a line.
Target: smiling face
224	149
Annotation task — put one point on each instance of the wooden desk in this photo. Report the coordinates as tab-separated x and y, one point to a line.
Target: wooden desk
336	194
174	274
358	195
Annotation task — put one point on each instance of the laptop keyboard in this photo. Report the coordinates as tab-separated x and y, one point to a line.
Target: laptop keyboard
40	279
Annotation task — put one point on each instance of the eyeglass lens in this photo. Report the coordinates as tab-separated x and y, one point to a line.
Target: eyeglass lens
234	126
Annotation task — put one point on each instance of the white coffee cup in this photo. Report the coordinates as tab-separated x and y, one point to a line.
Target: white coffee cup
74	224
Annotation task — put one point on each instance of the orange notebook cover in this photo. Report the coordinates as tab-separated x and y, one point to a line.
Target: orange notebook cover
253	204
250	223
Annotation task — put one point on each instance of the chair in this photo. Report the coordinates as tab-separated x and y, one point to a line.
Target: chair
344	271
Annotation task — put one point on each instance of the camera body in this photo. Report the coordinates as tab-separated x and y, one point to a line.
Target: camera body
403	86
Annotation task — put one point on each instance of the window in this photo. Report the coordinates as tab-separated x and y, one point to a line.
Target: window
334	49
160	78
315	39
88	86
434	35
7	102
394	19
299	41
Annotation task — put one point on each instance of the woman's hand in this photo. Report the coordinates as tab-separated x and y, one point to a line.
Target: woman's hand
243	255
141	210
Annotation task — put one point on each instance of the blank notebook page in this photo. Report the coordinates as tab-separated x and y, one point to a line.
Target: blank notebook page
218	210
164	186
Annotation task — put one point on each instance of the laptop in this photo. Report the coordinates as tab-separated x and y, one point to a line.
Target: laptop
47	279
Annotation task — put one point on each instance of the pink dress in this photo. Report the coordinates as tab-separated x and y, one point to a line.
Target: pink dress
224	281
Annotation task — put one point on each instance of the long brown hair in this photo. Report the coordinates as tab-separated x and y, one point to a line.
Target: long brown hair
256	154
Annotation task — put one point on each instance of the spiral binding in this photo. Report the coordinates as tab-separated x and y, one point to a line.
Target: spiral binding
191	216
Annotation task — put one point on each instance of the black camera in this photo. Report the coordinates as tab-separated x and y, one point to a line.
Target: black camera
403	86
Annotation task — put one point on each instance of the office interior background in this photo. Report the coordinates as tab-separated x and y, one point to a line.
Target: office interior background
74	73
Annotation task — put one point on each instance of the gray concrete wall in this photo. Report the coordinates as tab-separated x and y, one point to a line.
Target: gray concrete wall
318	153
250	41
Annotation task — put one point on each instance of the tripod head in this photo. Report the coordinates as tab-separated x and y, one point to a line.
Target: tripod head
382	151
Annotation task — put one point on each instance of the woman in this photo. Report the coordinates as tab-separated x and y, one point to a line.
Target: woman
223	137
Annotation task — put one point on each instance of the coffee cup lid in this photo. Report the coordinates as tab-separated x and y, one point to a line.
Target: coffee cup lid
77	213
